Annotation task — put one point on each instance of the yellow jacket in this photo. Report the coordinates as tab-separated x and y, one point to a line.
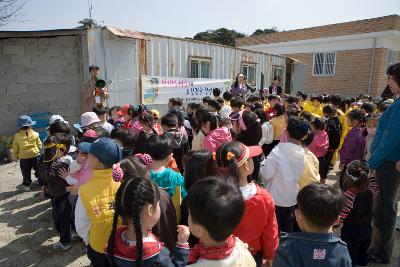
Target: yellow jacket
311	170
26	144
98	199
278	123
317	111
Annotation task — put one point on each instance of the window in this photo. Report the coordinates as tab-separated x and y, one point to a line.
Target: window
324	64
391	59
249	70
277	71
200	68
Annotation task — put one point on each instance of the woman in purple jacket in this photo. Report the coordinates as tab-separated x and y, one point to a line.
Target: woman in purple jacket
354	143
239	87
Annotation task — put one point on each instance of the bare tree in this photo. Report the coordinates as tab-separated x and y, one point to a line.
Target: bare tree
10	10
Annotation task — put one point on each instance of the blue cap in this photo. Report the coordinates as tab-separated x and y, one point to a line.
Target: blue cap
106	150
25	121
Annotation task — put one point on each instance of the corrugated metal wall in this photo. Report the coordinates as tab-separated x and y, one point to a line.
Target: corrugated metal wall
168	56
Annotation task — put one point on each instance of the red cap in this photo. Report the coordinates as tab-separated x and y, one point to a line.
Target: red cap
125	110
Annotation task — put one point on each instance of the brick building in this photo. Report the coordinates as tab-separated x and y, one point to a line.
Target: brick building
347	58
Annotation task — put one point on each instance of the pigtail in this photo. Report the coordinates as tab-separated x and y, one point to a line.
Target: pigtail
111	240
234	170
137	207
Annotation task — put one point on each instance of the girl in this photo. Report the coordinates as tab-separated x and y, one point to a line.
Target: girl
353	147
278	123
205	123
356	214
26	147
371	122
138	203
320	144
113	115
258	227
267	130
146	122
197	165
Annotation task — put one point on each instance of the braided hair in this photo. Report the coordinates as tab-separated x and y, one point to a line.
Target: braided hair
148	118
357	169
133	194
224	161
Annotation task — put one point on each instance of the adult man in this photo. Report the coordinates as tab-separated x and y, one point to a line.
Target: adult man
385	154
90	97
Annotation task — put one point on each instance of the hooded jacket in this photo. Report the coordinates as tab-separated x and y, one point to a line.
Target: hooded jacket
216	138
320	144
26	144
281	170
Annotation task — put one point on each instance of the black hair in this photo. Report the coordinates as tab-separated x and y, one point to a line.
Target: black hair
253	133
292	110
223	161
319	123
101	132
59	127
216	92
306	142
250	105
204	116
336	100
59	138
307	115
220	101
126	137
319	98
237	102
148	118
176	101
99	111
280	109
276	97
298	128
357	114
217	206
302	95
254	98
383	106
368	107
365	97
206	99
117	108
329	110
277	77
292	99
198	165
387	93
213	103
170	120
180	115
133	194
320	204
360	170
261	115
237	79
227	96
159	147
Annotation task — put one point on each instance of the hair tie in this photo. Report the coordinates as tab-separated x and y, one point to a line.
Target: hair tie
229	156
117	172
214	155
146	158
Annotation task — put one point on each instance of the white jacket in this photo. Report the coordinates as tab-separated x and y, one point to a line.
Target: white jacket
281	170
267	133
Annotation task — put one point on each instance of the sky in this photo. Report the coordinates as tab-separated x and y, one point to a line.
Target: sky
185	18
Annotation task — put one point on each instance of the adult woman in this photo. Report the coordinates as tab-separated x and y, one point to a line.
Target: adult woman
276	86
239	87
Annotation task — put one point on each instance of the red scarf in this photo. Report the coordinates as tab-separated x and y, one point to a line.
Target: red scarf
212	253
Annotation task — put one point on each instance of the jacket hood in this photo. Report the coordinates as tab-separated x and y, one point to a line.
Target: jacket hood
216	138
289	152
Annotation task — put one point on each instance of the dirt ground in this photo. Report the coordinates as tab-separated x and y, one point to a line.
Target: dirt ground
26	228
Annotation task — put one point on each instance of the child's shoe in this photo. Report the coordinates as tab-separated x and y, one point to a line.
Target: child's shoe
75	236
59	246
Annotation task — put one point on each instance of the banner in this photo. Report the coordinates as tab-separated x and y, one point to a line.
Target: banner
158	90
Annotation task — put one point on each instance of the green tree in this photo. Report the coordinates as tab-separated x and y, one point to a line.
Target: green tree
265	31
220	36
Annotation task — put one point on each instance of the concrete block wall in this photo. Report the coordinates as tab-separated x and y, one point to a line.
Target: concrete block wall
39	75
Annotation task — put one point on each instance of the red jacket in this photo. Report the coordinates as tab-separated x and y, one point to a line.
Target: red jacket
258	227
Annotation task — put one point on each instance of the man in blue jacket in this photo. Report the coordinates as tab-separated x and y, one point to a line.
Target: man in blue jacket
385	153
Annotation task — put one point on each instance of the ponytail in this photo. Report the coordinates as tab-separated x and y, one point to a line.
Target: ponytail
137	208
111	240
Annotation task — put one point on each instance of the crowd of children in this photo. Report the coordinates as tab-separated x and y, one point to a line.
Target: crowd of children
233	181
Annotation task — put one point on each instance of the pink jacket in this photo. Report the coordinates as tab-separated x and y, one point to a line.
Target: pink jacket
84	174
320	144
216	138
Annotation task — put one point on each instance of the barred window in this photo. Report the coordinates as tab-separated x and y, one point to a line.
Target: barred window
324	64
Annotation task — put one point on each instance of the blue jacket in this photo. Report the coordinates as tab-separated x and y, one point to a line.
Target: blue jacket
169	179
386	144
309	250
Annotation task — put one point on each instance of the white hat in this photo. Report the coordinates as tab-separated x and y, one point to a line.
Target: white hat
54	118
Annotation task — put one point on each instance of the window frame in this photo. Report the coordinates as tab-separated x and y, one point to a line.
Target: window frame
200	60
396	59
323	74
251	65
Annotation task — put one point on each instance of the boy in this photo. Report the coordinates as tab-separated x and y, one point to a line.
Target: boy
216	93
282	170
102	114
55	158
215	209
94	210
319	206
160	149
237	104
214	106
179	138
316	105
175	103
226	109
206	99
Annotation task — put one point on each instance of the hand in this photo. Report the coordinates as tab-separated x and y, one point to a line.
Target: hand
183	234
73	190
63	172
398	166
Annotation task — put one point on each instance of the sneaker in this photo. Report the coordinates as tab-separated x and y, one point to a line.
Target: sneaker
27	188
75	236
59	246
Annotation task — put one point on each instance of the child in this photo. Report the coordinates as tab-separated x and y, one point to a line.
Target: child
217	137
113	115
282	170
272	101
226	109
95	205
236	104
160	149
175	104
320	144
367	107
267	130
319	206
216	93
102	114
214	107
215	210
206	122
353	147
179	139
206	99
126	139
316	107
278	124
356	214
370	124
334	131
89	120
258	227
147	123
26	148
56	158
311	170
127	113
138	203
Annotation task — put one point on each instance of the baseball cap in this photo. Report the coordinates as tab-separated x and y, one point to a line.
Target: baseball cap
106	150
93	67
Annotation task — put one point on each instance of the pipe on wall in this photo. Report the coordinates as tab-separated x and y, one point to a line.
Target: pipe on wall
371	67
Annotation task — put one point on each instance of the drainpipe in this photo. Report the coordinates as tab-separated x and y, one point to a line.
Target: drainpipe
371	67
